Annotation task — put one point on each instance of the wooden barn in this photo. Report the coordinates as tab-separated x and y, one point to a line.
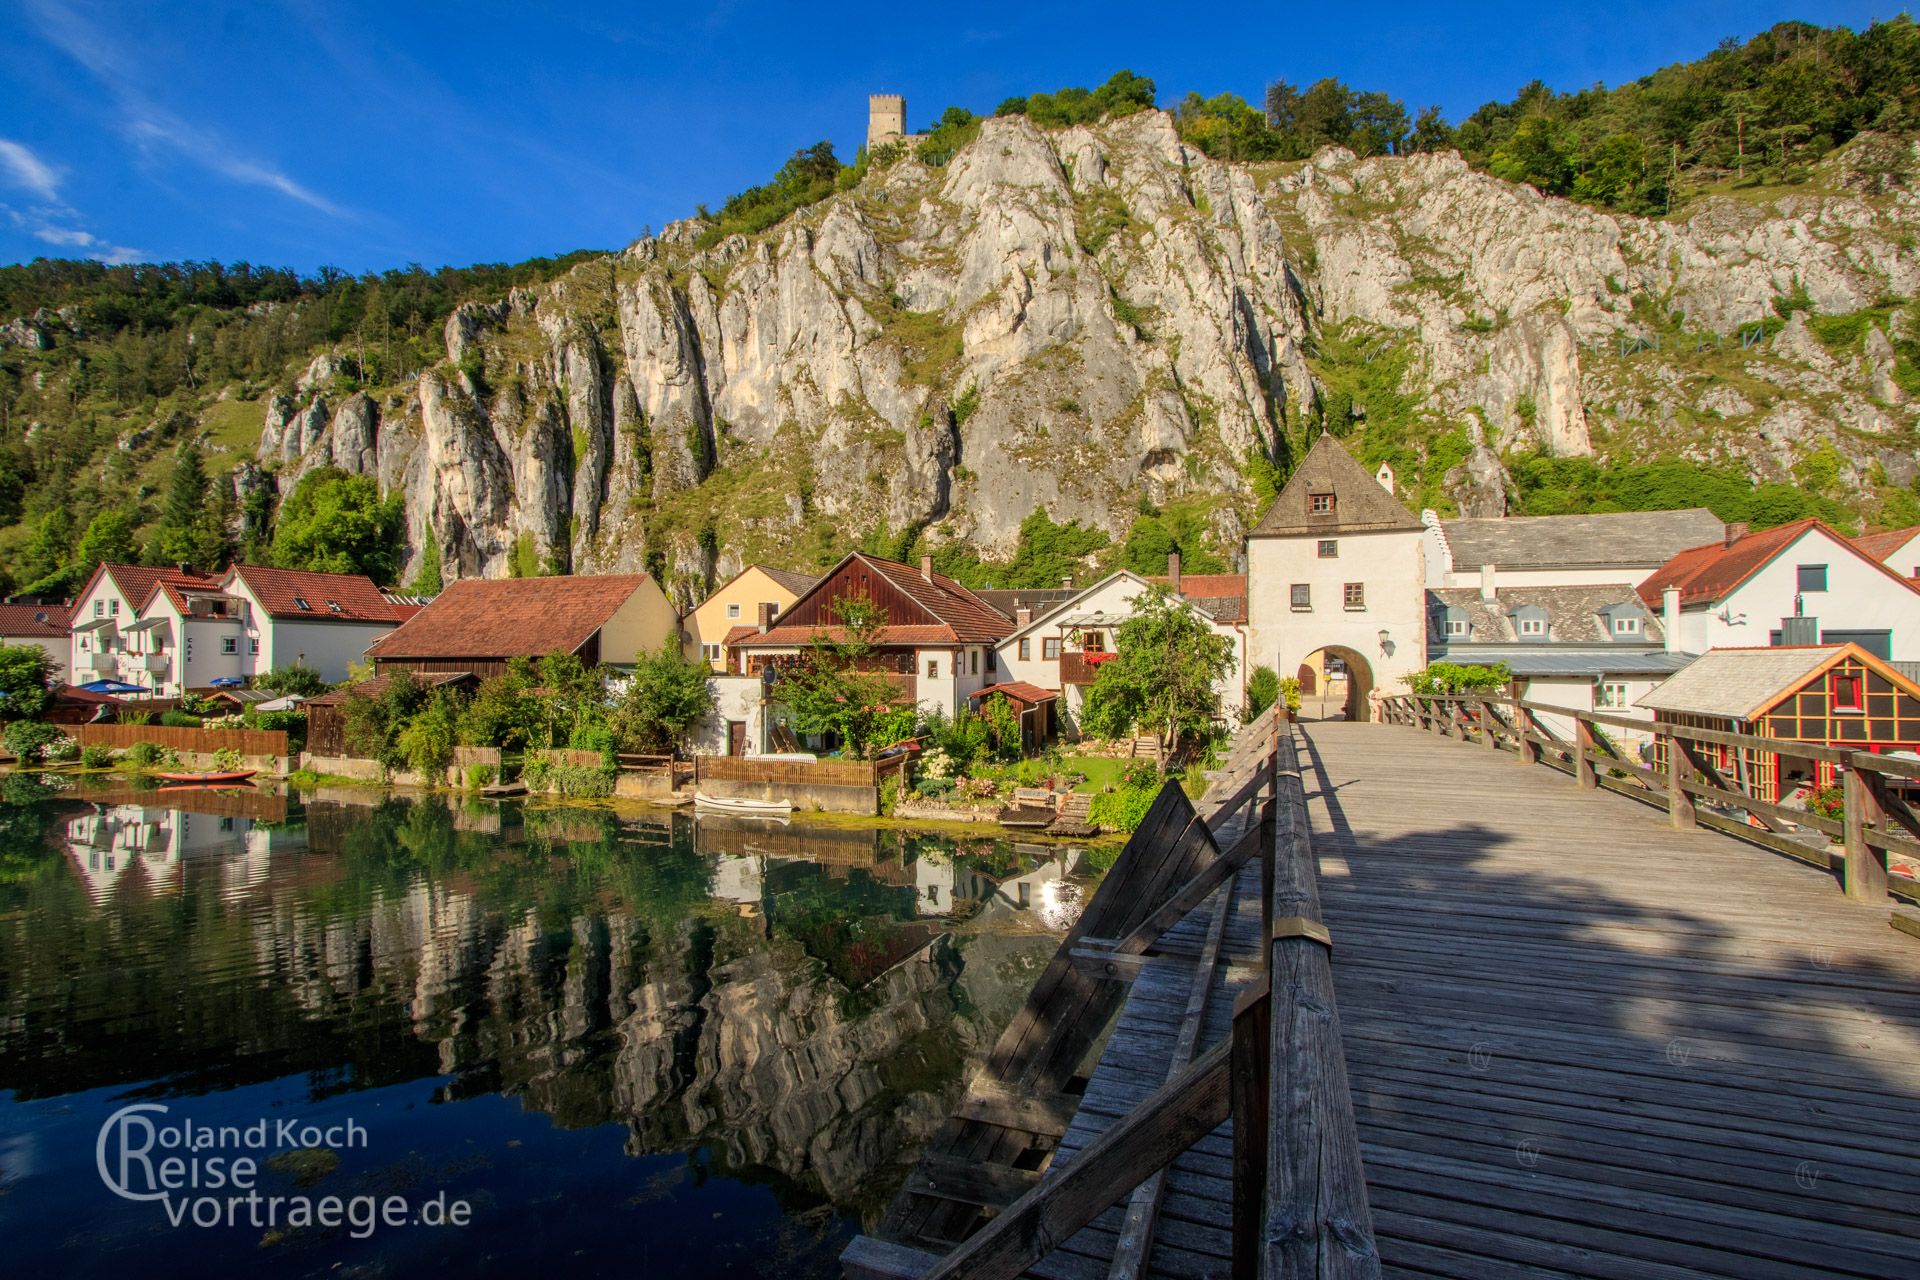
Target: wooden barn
1832	695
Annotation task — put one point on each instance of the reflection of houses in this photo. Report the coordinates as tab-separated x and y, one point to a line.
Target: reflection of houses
477	624
1063	647
1833	695
942	884
1589	648
935	642
1799	584
105	844
1335	564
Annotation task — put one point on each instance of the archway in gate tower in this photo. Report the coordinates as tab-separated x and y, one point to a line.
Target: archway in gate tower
1335	683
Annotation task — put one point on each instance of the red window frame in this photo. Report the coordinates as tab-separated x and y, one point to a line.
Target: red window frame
1844	687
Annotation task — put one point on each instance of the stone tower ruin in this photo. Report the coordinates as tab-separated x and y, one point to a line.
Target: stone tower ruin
886	118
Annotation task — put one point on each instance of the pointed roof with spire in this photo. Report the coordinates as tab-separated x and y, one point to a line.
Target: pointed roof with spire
1331	493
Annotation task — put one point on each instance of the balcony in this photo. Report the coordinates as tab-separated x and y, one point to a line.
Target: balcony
97	660
1081	668
152	663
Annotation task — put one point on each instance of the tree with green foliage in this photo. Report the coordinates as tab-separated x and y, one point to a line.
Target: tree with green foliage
1164	676
1003	727
426	578
504	712
1457	677
833	689
1159	532
190	528
1048	552
1123	94
1263	690
47	564
25	671
294	680
333	522
665	698
108	540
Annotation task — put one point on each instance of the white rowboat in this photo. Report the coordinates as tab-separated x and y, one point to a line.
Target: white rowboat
778	809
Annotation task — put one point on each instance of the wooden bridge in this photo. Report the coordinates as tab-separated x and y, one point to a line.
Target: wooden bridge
1391	1003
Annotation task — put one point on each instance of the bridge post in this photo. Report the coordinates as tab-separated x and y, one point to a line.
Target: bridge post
1529	751
1679	803
1582	753
1250	1071
1486	725
1864	873
1457	713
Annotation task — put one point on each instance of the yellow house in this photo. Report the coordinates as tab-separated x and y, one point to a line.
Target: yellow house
738	603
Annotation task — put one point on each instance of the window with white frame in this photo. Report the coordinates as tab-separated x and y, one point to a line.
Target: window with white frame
229	644
1354	596
1302	597
1610	695
99	608
933	668
253	645
711	652
1533	626
113	608
733	611
1456	628
1626	624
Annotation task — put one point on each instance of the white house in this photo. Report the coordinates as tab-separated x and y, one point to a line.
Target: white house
1561	551
1061	647
46	627
1799	584
1898	549
935	643
167	630
1336	569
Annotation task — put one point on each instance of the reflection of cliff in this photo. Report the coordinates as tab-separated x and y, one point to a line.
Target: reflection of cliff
598	972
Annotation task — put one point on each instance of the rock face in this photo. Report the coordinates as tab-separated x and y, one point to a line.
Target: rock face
1076	320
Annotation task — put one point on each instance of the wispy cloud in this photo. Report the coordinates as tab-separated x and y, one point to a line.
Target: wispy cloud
152	127
54	225
26	170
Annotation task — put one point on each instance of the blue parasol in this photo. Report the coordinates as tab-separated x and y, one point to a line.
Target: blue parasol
112	686
226	682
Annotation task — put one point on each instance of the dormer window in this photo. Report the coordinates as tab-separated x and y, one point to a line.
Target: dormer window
1533	626
300	603
1457	628
1626	624
1320	504
1530	622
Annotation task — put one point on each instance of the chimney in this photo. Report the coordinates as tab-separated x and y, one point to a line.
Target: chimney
1173	571
184	567
1670	617
766	615
1022	615
1737	531
1488	591
926	567
1067	583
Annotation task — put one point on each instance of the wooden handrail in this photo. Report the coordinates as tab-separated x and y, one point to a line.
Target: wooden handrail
1870	810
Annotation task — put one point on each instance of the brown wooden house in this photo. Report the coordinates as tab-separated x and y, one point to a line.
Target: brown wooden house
1833	695
477	624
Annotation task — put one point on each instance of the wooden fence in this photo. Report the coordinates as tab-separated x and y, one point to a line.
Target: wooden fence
1299	1187
248	742
823	773
1875	820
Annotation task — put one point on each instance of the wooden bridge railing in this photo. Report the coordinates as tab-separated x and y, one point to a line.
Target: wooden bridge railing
1299	1189
1875	818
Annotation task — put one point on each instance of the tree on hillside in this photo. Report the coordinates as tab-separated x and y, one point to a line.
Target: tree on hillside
828	691
667	695
336	523
187	531
48	557
1163	676
108	539
1048	552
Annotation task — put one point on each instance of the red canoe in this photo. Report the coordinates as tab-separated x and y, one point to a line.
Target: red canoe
208	779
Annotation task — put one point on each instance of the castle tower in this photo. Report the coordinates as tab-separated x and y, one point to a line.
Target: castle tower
886	118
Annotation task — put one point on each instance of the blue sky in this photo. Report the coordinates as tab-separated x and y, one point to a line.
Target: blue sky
368	135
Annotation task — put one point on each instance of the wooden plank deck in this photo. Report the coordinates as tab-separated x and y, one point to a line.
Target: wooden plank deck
1583	1044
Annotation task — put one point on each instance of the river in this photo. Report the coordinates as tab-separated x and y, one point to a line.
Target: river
626	1045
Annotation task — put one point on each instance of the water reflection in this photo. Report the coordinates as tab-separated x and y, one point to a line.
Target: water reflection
790	1008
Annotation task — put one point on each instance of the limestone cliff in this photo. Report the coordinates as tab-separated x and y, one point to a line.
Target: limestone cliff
1083	318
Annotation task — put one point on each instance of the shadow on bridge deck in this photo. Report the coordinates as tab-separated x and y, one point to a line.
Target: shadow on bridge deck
1581	1043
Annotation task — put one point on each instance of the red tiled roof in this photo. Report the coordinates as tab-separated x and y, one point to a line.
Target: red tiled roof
736	634
278	589
137	581
1882	545
971	619
799	634
1018	690
510	617
1711	572
37	621
1207	586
